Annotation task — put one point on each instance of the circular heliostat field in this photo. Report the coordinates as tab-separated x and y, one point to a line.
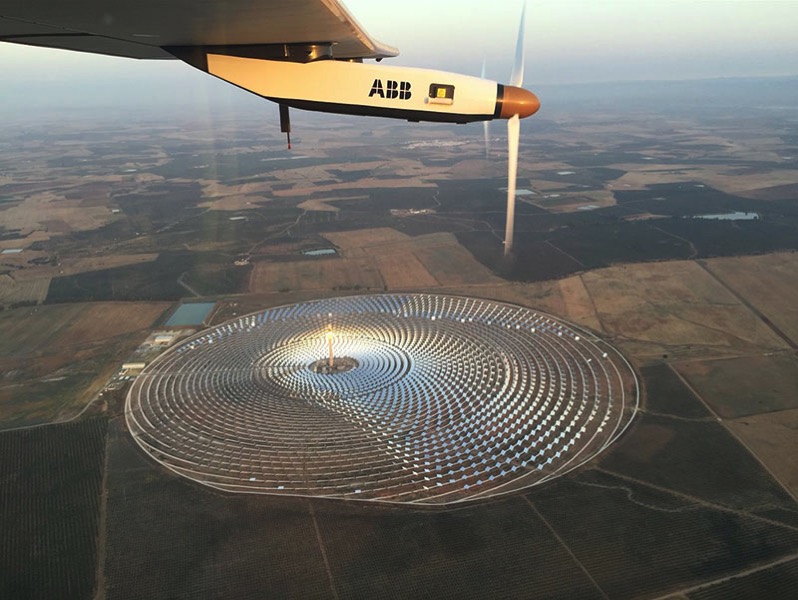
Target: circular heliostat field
396	397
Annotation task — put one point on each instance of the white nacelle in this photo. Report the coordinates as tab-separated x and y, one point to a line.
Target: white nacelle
363	89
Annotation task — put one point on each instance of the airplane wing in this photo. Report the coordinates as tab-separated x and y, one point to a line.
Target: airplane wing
141	28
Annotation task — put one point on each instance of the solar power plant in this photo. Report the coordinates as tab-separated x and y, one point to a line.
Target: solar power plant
406	398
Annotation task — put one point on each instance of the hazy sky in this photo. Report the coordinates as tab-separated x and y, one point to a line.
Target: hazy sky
568	41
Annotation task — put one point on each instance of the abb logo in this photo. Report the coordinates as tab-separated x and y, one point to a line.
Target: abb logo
391	90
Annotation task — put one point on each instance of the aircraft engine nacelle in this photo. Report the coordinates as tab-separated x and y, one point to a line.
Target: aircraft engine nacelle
374	90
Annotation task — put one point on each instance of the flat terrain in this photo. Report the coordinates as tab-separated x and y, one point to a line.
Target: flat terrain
409	262
322	274
110	222
376	260
15	293
650	309
745	386
679	475
773	438
768	283
55	359
50	509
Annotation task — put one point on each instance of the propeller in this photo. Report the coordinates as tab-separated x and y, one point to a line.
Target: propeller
513	137
486	124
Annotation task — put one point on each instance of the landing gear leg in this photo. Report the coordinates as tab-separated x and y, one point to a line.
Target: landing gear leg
285	123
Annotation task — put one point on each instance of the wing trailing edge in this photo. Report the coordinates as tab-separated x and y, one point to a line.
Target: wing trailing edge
142	29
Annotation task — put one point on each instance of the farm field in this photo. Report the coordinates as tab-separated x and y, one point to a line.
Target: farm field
601	517
410	262
73	266
321	274
767	282
667	394
773	437
698	459
50	505
236	546
28	330
353	242
370	261
13	292
676	305
55	359
777	582
499	549
747	385
403	271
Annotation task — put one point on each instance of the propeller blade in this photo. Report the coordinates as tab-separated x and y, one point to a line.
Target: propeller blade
486	124
517	78
513	140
